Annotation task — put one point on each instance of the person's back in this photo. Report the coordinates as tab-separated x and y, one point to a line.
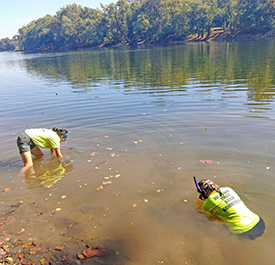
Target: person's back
44	138
231	210
225	204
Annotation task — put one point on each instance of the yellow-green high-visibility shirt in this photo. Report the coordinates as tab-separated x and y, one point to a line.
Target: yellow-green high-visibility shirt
44	138
231	210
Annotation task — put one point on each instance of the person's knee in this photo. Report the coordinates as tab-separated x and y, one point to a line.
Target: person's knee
40	156
28	165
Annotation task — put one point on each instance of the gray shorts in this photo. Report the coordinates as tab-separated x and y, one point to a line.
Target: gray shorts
25	143
255	232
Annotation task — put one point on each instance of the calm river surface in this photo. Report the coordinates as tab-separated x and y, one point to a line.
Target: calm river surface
141	121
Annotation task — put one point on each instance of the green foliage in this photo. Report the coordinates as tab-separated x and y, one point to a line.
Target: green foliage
149	21
7	44
255	16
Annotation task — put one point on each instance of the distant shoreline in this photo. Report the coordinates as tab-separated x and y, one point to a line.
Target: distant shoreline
227	36
216	36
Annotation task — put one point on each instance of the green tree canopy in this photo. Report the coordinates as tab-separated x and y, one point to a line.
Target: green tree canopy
149	21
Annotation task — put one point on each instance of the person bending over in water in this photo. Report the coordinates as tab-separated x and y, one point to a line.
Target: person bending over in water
31	139
225	204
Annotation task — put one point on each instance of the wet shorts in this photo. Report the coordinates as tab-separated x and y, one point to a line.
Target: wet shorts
255	232
25	143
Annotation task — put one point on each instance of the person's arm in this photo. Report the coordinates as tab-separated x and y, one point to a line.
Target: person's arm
53	151
57	152
207	214
207	208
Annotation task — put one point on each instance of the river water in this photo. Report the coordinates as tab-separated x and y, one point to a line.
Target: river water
141	121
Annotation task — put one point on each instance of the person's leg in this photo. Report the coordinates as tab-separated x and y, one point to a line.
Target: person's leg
28	164
24	145
37	152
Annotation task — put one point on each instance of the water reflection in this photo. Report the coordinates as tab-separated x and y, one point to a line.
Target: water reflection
166	68
47	172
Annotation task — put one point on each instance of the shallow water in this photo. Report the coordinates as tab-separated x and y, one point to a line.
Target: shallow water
151	113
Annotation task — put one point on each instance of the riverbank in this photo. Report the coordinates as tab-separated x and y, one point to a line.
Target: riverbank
19	248
217	34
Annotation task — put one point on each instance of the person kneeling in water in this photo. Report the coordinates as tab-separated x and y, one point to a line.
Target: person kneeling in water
225	204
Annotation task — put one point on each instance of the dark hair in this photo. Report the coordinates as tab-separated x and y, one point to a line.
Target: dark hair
207	186
59	131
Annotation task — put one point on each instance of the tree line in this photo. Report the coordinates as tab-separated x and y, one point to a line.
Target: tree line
138	21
